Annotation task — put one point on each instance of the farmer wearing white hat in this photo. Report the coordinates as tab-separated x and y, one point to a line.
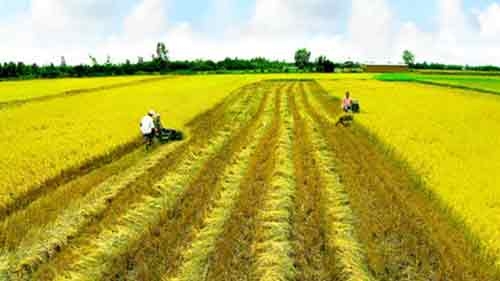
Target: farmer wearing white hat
148	128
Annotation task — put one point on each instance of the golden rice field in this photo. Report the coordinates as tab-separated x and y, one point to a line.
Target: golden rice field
42	139
449	136
265	186
18	91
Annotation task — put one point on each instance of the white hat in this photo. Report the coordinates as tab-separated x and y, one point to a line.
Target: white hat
151	112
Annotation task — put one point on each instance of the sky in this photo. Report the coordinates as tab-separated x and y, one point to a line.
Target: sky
367	31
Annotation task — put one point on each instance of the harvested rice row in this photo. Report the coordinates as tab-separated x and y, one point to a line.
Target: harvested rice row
30	208
50	204
145	187
95	259
42	243
229	105
341	234
273	247
320	105
412	238
313	259
160	252
195	258
232	257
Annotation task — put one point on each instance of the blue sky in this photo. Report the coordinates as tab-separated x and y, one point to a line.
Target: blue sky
453	31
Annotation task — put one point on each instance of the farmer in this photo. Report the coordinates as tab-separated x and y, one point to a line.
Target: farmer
148	128
347	102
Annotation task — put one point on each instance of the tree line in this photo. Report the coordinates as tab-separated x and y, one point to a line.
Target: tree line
160	63
409	59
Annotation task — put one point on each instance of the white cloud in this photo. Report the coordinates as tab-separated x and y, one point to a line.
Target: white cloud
489	22
148	18
286	17
276	28
359	29
371	28
452	20
54	28
145	25
71	21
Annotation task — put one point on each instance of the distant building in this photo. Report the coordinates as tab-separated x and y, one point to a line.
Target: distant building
386	68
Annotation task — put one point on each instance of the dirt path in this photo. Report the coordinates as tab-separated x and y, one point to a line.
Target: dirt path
406	236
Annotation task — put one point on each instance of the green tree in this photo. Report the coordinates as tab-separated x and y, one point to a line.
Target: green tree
93	60
63	61
323	64
408	58
161	59
302	57
161	52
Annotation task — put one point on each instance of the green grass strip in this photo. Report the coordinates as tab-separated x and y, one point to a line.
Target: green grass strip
412	78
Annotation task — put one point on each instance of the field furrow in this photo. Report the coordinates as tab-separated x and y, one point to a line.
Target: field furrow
196	255
407	236
114	195
341	234
313	259
231	258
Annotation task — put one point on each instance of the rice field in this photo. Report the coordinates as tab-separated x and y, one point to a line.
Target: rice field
14	92
43	140
264	187
448	136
